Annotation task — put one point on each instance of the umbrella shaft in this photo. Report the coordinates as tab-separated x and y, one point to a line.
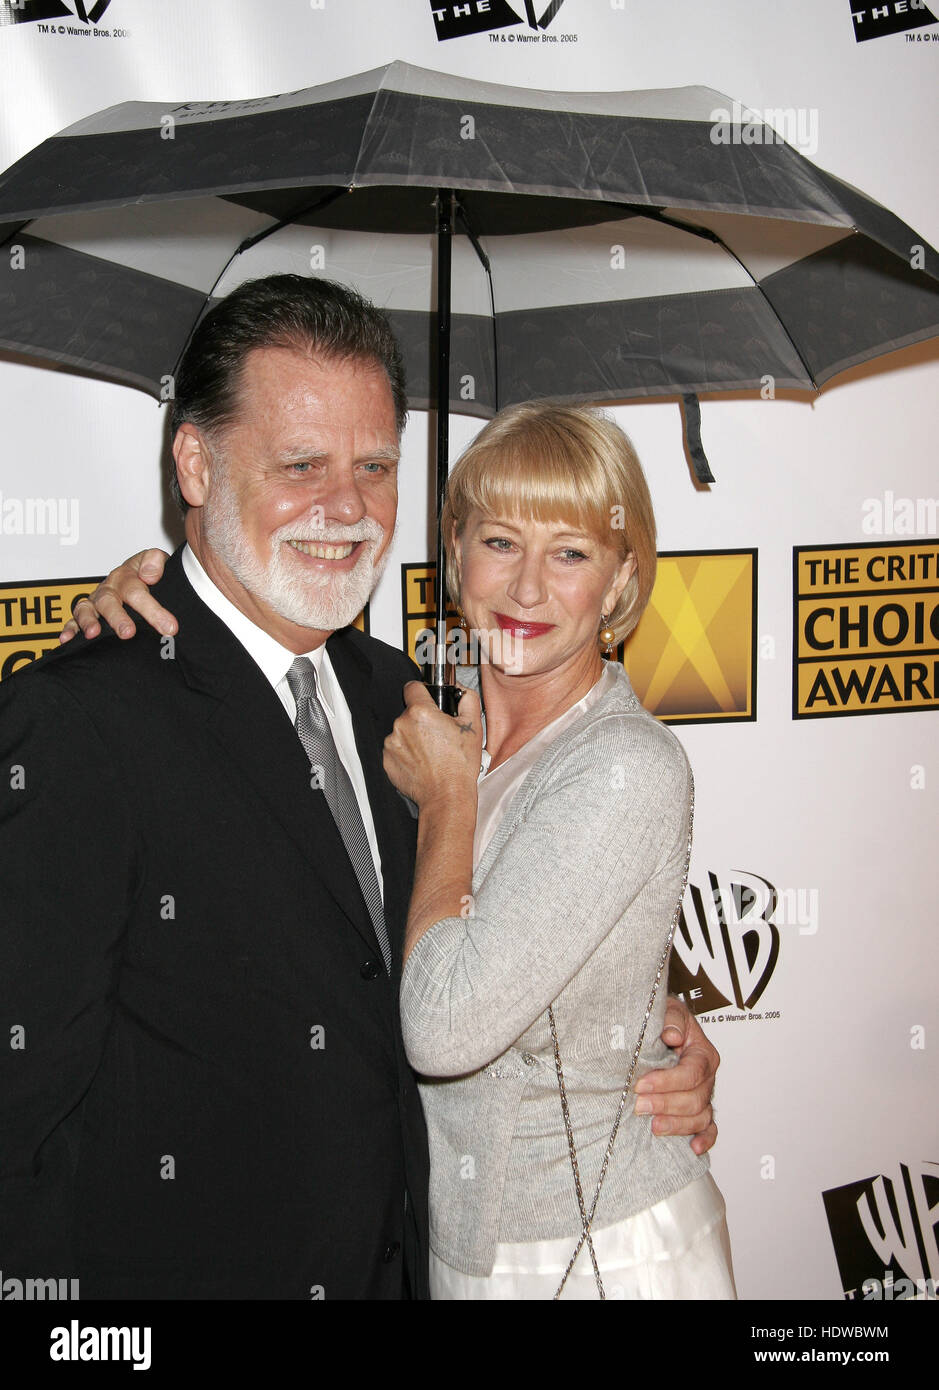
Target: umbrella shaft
444	240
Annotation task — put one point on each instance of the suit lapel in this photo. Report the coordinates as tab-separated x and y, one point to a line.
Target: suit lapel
254	733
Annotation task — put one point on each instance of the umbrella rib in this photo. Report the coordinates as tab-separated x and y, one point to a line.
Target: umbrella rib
246	245
487	267
657	215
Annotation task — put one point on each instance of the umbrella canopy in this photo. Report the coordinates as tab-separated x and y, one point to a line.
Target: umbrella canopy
606	245
588	246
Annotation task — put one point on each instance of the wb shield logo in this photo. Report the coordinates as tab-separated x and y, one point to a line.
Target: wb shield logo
457	20
727	939
884	1233
26	11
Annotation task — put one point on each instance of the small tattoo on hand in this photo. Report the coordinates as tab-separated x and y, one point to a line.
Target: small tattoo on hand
466	728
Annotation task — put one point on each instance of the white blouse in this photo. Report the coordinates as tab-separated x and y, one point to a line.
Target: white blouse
496	788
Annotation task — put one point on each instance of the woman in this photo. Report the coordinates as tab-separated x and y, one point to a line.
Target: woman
546	885
552	850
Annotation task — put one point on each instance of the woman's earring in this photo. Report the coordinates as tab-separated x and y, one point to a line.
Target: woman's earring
462	622
607	635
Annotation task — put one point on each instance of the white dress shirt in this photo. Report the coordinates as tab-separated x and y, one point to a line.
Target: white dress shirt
275	661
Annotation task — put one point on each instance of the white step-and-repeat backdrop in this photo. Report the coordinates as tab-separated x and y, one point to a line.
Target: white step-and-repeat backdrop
808	941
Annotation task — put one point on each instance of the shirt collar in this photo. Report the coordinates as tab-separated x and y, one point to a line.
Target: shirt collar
274	659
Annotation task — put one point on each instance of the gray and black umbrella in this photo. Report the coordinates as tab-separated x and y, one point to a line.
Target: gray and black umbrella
526	244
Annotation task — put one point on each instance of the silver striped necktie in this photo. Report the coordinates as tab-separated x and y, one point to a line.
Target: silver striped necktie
330	777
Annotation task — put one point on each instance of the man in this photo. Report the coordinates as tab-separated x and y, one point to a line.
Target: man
206	871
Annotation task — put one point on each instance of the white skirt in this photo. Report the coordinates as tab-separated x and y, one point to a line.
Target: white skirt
678	1249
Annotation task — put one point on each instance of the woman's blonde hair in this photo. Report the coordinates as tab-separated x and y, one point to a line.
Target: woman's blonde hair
545	462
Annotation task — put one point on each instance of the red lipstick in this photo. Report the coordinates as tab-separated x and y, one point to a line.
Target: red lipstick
520	628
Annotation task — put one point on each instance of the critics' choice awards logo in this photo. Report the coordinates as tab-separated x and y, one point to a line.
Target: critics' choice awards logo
884	1229
458	18
893	17
418	606
28	11
692	659
33	614
865	629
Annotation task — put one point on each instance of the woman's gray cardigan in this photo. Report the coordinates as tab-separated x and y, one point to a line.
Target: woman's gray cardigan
573	900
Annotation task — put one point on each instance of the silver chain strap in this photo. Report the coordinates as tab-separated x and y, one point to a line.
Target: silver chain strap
585	1222
585	1216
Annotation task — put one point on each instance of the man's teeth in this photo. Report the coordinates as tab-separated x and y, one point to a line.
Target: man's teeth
324	552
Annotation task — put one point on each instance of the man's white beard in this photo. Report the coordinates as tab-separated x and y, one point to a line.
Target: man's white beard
309	597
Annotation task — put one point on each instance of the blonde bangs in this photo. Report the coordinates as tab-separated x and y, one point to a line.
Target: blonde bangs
535	480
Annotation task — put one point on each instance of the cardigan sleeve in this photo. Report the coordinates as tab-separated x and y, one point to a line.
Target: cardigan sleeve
609	813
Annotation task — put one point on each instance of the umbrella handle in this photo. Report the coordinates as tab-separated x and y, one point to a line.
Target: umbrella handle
445	697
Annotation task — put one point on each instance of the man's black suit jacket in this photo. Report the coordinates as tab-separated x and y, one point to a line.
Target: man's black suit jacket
205	1093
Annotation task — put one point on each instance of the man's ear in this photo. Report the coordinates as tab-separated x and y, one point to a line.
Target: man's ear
192	464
